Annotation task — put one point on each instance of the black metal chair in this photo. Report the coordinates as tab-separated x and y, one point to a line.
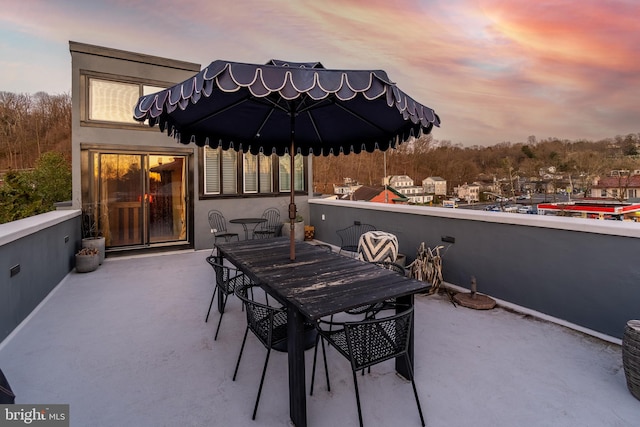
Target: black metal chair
350	236
393	267
218	225
227	280
367	343
269	325
271	226
371	309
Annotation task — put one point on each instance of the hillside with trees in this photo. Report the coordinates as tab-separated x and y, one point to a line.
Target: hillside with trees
32	125
426	157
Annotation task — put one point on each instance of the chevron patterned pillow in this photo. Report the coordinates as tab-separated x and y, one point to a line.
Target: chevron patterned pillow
378	246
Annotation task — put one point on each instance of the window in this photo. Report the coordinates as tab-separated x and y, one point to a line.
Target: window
285	176
220	171
113	101
231	173
257	174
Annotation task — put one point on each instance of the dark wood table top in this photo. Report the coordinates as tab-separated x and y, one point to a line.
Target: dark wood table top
317	283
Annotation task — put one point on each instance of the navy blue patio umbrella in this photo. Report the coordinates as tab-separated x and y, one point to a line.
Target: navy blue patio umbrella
287	108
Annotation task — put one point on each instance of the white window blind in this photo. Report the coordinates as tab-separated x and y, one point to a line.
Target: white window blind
229	172
285	176
211	171
264	173
250	173
223	175
112	101
257	174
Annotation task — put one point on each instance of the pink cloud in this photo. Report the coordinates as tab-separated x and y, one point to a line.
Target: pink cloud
494	70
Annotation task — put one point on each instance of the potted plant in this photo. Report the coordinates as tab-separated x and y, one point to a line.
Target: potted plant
91	235
87	259
298	228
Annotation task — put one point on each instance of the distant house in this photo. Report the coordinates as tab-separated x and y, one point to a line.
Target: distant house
617	187
363	193
405	186
379	194
469	192
391	195
398	181
348	186
435	185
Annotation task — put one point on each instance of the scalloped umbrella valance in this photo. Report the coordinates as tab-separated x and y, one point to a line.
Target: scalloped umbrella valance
287	107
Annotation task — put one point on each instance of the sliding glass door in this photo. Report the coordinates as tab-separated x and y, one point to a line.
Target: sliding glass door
141	198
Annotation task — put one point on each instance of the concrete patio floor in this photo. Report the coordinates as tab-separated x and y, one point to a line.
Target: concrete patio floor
127	345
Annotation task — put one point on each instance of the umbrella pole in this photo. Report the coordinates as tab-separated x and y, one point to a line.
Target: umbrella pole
292	203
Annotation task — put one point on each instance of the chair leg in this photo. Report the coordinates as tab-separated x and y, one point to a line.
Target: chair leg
235	372
215	290
313	370
264	371
355	384
224	304
415	390
326	369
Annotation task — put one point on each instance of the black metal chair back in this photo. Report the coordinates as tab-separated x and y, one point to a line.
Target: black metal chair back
350	236
218	225
393	267
367	343
271	226
372	309
227	280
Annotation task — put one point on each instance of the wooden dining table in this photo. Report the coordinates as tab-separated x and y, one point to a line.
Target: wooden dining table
315	285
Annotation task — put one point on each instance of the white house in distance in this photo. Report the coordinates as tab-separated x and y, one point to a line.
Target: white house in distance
468	192
349	186
435	185
404	185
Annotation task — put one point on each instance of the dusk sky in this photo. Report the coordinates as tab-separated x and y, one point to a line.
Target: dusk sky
494	70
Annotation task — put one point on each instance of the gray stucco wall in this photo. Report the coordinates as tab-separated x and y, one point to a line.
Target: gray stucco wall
115	63
583	271
241	208
43	247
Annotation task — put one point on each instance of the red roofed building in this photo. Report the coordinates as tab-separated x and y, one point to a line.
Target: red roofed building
617	187
592	208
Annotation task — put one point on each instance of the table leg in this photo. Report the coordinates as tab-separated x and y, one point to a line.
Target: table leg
401	365
295	348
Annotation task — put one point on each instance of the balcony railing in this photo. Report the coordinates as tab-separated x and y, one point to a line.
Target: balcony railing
581	272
